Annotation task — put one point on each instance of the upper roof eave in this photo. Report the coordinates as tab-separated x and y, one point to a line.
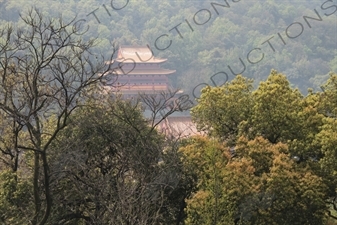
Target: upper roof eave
145	72
140	54
137	60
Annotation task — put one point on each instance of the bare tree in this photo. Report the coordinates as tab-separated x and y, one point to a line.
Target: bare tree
46	67
163	104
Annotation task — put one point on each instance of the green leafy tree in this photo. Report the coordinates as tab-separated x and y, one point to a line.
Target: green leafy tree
110	167
204	160
283	162
220	110
326	140
275	110
260	185
15	198
328	104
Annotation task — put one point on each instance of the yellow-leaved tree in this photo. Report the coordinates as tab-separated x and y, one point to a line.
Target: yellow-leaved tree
280	152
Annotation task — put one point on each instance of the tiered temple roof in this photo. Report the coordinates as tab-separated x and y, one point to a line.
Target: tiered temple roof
138	71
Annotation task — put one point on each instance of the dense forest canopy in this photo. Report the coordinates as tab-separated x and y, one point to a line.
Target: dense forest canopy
203	38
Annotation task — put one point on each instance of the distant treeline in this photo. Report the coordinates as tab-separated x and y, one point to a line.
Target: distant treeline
202	38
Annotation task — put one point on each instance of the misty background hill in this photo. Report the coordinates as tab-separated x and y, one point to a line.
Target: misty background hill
298	39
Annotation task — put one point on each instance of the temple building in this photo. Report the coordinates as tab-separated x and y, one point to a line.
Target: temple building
136	70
